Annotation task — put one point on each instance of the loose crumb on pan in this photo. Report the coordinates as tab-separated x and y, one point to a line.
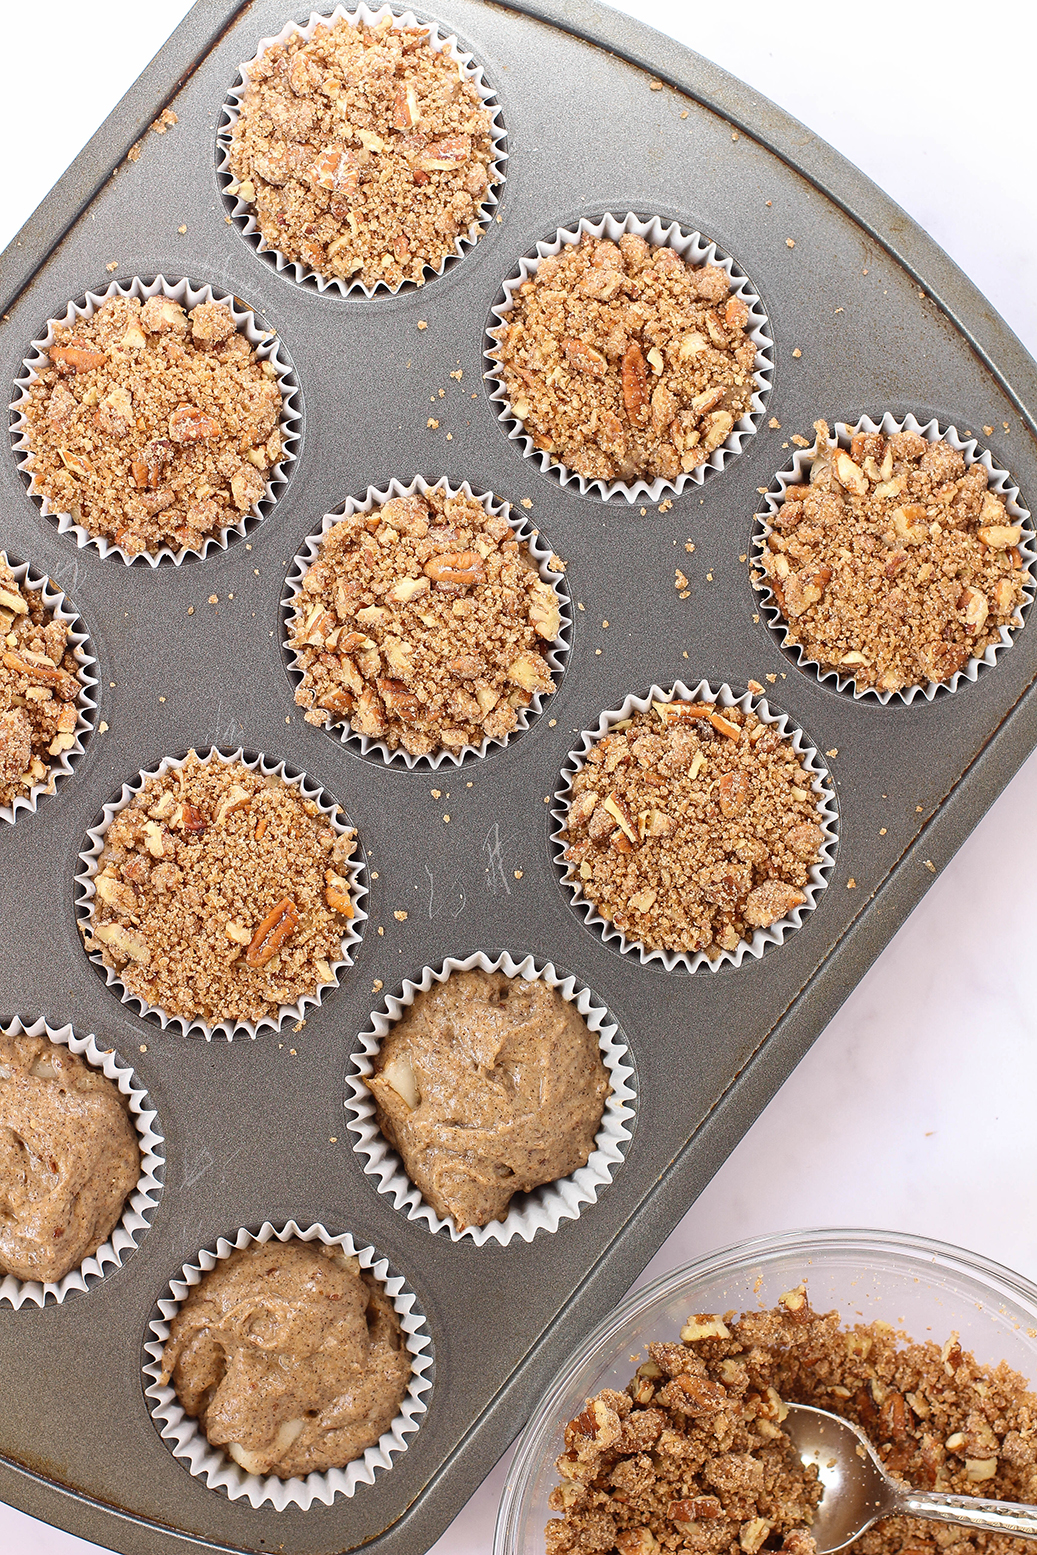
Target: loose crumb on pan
69	1158
622	360
291	1357
896	564
691	825
39	689
424	623
488	1086
364	152
153	426
221	893
692	1456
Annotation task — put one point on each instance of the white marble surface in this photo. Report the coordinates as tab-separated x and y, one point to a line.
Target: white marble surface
913	1110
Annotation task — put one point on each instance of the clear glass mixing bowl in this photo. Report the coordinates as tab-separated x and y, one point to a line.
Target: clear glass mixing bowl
926	1288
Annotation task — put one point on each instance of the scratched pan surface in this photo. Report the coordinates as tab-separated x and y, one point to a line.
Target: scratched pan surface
249	1126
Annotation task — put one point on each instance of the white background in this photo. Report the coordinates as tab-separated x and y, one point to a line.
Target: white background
914	1110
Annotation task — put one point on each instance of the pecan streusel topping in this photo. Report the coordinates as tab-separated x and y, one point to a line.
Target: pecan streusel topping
39	687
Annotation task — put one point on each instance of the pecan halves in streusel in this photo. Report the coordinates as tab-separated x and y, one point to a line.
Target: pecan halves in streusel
424	623
364	152
692	826
39	688
895	565
221	893
622	360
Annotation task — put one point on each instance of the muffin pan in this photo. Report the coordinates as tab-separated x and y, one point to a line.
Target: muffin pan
256	1131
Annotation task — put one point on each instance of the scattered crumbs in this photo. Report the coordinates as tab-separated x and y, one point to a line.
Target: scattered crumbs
551	722
921	296
688	547
756	620
800	441
784	445
248	545
579	606
446	818
555	563
423	324
287	719
784	676
929	1133
797	352
684	594
294	1051
734	134
431	422
332	1139
769	204
475	396
774	424
144	1047
744	557
709	577
134	152
230	596
604	626
450	437
684	113
840	310
527	502
930	866
772	678
162	699
442	392
499	217
851	884
988	431
790	242
643	512
833	752
762	490
181	229
882	831
459	374
113	264
377	985
380	929
754	686
685	654
227	220
918	809
518	874
102	727
468	785
1005	425
374	874
214	599
436	793
547	798
166	119
399	915
655	86
682	581
598	651
665	506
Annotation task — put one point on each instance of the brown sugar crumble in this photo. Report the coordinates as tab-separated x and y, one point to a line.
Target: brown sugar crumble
896	564
153	426
222	893
364	152
39	688
692	1455
424	623
691	826
622	361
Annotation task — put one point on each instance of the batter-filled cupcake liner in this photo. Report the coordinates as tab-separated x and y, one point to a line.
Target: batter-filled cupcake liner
797	472
139	1206
267	347
241	211
89	859
827	818
545	1207
188	1443
61	610
541	553
693	248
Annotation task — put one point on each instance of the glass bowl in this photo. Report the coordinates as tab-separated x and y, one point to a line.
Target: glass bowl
928	1289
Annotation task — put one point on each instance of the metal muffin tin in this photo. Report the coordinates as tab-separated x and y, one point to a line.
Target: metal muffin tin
256	1130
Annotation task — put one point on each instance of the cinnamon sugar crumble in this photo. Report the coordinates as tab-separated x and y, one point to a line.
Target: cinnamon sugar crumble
153	426
896	564
692	1456
221	893
621	360
691	826
364	152
39	688
424	623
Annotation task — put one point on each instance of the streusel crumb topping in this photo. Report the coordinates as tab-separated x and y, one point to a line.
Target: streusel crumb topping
622	360
221	893
896	564
39	688
691	826
153	426
364	152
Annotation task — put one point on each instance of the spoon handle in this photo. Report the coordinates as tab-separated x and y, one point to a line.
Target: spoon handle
971	1512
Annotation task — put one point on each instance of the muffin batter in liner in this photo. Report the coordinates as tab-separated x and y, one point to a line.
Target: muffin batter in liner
692	247
545	1207
241	211
798	473
329	808
185	1438
267	346
540	552
827	819
137	1212
60	609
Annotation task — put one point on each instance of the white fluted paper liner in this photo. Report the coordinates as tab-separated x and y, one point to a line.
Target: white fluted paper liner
89	859
183	1435
798	473
694	249
827	819
60	609
241	211
524	533
267	347
137	1212
544	1208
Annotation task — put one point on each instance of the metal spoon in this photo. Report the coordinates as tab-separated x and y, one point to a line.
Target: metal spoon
858	1491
